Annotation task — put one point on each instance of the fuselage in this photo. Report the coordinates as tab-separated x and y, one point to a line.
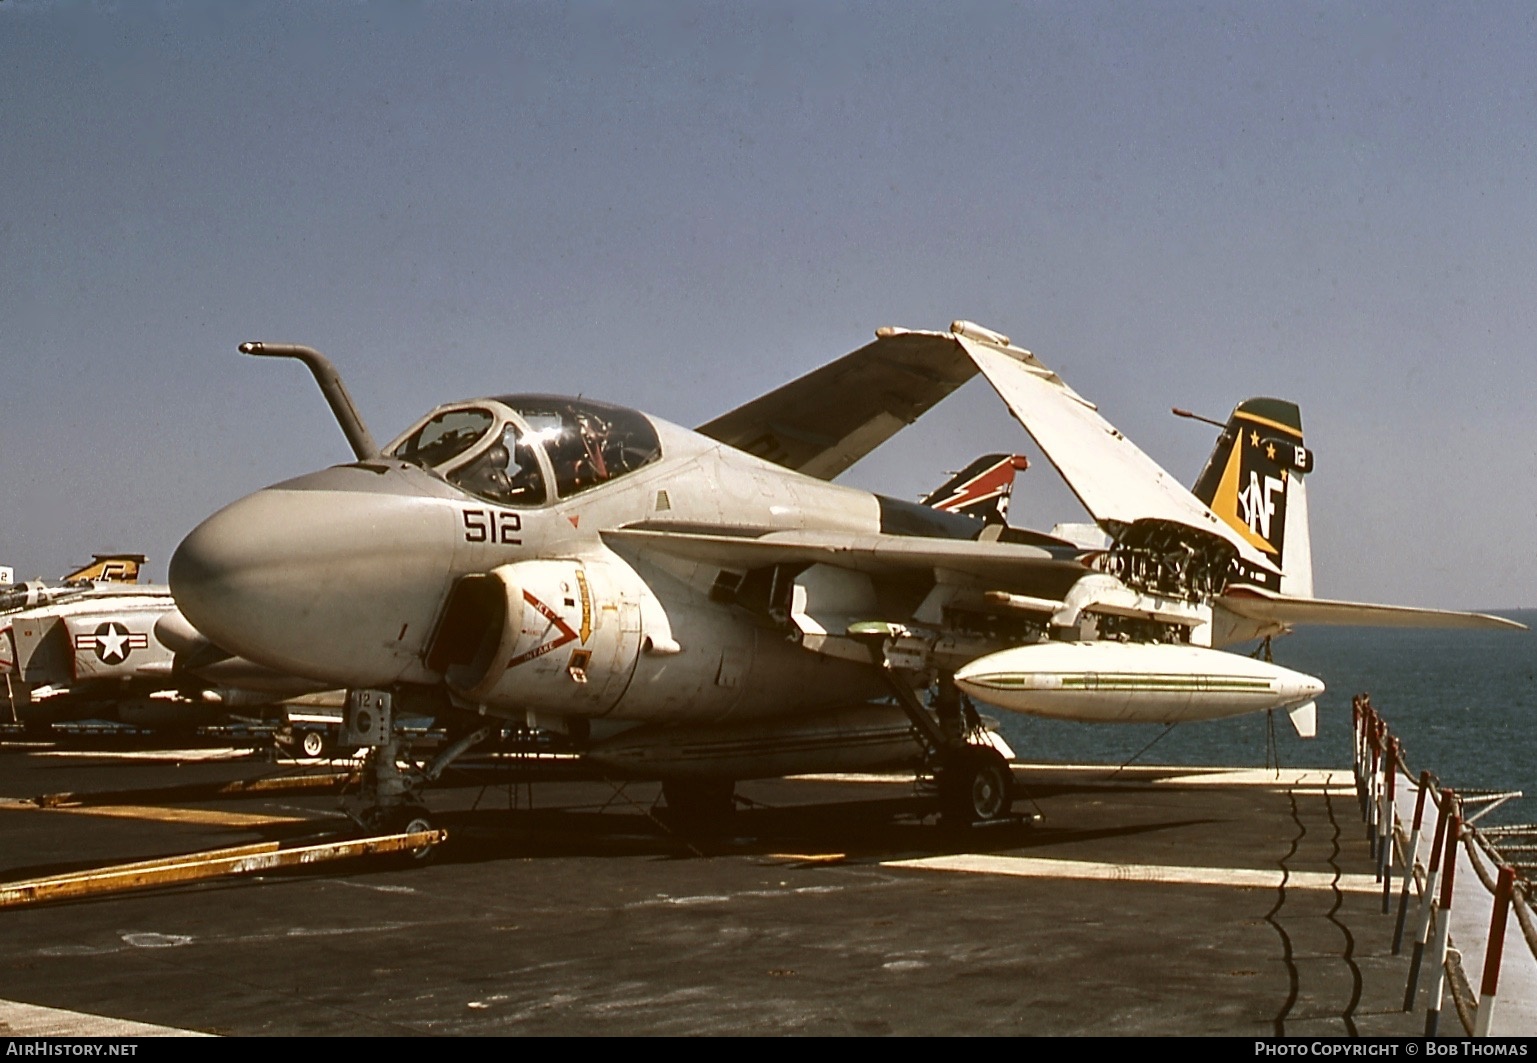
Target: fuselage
346	575
536	556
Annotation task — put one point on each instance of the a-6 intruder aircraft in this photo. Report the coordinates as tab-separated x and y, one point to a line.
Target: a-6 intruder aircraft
704	606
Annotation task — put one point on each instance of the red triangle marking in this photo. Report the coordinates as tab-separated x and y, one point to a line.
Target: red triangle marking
566	633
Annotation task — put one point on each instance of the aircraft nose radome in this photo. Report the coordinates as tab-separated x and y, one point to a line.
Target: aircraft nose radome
217	573
334	585
197	564
201	567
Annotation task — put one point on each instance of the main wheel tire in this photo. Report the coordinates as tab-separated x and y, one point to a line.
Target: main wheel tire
700	804
975	785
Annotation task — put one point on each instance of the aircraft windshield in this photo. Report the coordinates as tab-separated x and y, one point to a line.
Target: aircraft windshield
588	443
445	437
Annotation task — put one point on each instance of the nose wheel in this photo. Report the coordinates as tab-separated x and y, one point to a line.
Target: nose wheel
403	819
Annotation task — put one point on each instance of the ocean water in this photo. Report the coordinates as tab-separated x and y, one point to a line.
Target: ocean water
1462	703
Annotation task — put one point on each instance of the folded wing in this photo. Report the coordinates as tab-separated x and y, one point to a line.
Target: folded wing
1116	482
825	421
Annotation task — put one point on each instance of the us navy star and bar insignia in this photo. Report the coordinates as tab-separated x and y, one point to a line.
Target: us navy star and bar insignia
112	642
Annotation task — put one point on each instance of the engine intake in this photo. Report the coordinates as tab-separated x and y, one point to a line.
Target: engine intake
553	636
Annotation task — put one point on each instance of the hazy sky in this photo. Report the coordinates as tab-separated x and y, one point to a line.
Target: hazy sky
679	206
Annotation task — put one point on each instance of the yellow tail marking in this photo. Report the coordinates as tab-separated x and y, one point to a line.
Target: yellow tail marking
1225	504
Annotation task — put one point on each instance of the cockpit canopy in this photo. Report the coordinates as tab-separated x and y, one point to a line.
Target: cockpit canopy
510	449
445	436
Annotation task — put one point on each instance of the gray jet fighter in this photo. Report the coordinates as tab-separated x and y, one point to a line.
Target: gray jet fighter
704	606
100	645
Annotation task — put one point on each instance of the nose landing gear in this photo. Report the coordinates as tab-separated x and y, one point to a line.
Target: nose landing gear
406	819
389	797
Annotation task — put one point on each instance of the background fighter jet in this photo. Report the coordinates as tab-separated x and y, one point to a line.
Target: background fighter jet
981	489
703	606
99	645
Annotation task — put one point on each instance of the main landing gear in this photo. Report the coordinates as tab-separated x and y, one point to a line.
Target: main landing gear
975	785
974	782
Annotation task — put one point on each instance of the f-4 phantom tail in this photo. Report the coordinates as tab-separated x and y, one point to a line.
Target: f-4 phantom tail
109	568
704	606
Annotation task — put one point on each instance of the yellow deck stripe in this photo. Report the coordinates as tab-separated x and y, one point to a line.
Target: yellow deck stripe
155	755
205	816
809	858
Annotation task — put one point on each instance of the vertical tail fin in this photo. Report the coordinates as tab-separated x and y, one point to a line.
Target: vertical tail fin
981	489
108	568
1255	481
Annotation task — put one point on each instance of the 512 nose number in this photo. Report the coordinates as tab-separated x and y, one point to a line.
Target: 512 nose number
492	526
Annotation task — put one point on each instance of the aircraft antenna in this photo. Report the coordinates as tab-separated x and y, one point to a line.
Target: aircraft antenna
1177	412
331	386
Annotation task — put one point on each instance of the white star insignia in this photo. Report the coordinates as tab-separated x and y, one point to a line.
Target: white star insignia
110	643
